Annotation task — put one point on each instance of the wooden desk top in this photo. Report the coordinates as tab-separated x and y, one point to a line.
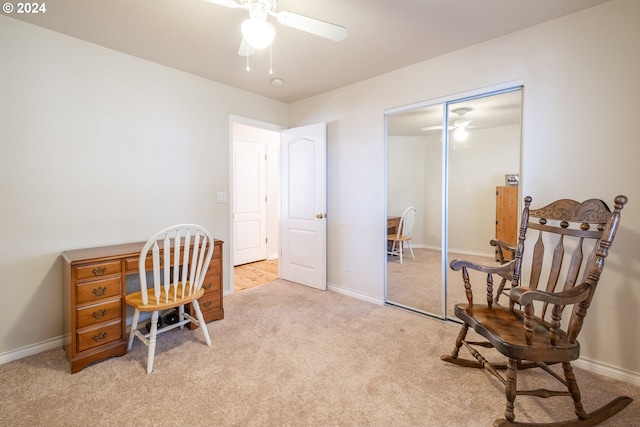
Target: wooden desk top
101	253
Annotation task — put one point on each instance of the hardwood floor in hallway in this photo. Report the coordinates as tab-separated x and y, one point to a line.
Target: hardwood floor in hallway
254	274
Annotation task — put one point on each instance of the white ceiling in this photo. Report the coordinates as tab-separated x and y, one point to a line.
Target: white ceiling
383	35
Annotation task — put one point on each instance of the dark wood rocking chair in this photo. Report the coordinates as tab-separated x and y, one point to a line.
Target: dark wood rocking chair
528	331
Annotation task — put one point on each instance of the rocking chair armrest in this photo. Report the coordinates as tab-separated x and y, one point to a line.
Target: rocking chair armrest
502	244
458	264
524	296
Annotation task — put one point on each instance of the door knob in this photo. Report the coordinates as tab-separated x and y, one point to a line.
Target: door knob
319	216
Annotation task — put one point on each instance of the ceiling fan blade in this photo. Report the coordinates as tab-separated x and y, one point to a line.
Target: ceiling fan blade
437	127
228	3
245	48
314	26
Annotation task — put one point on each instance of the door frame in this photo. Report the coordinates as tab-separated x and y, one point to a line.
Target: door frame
233	119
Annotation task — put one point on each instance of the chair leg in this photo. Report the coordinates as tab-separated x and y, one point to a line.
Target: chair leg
411	249
511	388
134	326
181	315
401	247
393	248
572	385
461	336
152	341
201	322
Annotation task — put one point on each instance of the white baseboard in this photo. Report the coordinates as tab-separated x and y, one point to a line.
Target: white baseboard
457	251
608	371
30	350
357	295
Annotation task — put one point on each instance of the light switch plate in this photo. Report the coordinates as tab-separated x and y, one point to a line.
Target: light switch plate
222	197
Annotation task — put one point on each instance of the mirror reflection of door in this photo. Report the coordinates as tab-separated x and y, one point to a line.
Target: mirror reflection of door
466	165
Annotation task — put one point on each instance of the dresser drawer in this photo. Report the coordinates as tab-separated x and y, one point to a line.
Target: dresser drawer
209	301
97	290
98	313
94	337
131	265
91	271
215	266
211	284
217	251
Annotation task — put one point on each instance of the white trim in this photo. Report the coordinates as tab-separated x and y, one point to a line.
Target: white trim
357	295
231	243
30	350
455	97
603	369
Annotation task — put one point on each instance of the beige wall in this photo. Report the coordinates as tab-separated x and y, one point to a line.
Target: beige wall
99	148
581	93
84	128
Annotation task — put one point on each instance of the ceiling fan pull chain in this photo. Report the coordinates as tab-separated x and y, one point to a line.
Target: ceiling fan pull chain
270	59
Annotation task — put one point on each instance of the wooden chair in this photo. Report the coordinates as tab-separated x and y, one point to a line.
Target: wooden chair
403	236
528	331
178	274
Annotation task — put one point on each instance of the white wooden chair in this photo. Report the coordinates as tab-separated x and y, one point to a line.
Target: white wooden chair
403	235
178	274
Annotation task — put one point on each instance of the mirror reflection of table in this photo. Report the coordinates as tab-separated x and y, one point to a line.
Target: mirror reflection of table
393	222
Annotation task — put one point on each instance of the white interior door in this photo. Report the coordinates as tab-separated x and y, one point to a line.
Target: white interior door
303	257
250	204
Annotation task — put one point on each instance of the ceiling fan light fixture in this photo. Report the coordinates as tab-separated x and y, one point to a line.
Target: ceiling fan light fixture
461	134
258	32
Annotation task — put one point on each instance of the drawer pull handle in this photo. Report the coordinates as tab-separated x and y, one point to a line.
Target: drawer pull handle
101	336
207	286
207	304
99	271
100	291
99	314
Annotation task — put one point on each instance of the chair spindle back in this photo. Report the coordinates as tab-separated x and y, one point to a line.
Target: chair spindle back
180	255
566	231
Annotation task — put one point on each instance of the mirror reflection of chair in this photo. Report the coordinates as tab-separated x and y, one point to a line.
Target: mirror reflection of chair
403	235
565	253
177	280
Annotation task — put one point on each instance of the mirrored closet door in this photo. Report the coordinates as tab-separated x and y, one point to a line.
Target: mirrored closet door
457	163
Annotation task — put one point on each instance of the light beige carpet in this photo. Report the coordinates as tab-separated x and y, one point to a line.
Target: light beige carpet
417	284
285	355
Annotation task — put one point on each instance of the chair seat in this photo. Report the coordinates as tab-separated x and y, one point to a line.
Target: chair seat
398	238
135	299
504	329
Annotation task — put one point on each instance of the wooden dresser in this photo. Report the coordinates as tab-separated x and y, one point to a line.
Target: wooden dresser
94	309
507	217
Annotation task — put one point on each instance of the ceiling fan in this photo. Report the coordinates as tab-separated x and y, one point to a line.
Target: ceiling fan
457	124
258	32
461	125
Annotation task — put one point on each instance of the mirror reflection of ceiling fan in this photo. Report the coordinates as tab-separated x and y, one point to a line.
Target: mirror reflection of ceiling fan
459	126
258	33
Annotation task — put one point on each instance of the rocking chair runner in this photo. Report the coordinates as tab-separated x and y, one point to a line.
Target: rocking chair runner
528	331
